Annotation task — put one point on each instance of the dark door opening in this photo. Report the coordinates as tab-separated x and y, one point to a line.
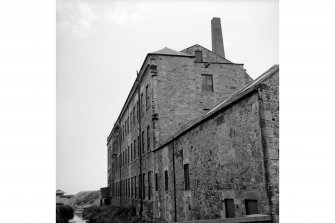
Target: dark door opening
230	208
251	207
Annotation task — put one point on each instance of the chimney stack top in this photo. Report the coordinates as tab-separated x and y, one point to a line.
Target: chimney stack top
217	40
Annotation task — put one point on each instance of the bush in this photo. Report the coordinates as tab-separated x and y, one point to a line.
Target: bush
110	214
64	213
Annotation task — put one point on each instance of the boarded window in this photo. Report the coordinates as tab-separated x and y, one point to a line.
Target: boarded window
207	82
166	180
198	56
156	181
251	207
186	176
230	208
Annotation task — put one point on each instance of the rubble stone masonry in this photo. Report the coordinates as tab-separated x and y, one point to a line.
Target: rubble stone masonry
231	155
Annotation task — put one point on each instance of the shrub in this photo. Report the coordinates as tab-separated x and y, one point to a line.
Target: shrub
110	214
64	213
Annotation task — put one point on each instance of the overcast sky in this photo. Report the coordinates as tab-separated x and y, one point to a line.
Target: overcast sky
101	44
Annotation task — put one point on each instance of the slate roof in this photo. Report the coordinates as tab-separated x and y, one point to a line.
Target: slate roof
234	97
168	51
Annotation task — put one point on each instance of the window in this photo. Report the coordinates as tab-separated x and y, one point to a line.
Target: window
149	185
122	132
128	125
138	146
186	176
166	180
198	56
135	149
135	187
142	142
131	119
131	187
156	181
139	186
124	158
137	112
251	207
134	116
230	208
128	156
143	189
147	96
148	138
126	188
142	103
207	82
131	152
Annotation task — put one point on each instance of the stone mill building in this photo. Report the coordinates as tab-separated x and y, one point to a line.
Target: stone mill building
197	138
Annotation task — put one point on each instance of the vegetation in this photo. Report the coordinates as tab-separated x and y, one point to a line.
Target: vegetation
64	213
83	198
110	214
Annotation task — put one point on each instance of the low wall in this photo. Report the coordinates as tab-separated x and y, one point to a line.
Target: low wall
250	218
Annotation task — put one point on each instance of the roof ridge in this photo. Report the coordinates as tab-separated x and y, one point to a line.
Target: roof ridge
167	50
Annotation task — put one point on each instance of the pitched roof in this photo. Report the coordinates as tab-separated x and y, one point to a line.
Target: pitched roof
228	61
168	51
59	192
234	97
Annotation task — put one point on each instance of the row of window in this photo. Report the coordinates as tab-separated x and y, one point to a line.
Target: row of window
133	152
133	118
130	189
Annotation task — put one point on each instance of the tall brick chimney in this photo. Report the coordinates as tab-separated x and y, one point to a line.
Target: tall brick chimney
217	40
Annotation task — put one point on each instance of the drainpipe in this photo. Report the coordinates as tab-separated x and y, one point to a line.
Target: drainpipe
140	140
174	183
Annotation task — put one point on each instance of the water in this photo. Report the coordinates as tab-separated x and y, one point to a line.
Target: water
77	218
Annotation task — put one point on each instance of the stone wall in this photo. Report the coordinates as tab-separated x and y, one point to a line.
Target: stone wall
164	199
181	99
225	162
269	112
208	56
